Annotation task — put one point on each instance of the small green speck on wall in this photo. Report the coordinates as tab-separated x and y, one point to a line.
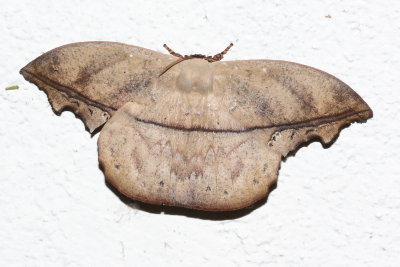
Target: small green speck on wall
14	87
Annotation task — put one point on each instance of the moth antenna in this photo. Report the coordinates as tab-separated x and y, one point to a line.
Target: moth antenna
172	52
171	65
219	56
210	59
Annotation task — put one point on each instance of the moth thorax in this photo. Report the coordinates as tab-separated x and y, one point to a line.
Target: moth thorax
195	76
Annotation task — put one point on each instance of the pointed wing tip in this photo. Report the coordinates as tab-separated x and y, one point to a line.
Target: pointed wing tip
366	113
27	71
59	103
23	71
370	114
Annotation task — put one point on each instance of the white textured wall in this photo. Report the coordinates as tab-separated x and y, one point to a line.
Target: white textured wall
333	207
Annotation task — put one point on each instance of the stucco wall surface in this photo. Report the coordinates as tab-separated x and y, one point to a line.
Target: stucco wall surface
332	207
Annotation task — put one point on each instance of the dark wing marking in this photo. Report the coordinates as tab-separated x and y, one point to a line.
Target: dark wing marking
93	79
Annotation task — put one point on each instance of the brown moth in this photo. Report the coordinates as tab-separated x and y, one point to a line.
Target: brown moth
193	131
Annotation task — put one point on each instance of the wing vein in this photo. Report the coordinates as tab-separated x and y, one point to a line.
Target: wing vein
282	126
67	90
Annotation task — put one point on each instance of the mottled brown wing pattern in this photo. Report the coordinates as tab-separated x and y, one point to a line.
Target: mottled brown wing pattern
226	129
94	79
249	94
194	133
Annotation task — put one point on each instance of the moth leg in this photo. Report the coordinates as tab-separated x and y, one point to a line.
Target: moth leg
172	52
219	56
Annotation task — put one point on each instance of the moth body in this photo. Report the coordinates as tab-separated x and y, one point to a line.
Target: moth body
195	133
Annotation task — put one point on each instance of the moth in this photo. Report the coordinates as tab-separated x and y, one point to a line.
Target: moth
193	131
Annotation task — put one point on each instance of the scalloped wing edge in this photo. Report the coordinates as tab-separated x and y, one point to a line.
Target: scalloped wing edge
325	133
284	141
92	115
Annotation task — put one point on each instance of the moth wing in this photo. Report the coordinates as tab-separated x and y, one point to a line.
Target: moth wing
94	79
221	147
286	95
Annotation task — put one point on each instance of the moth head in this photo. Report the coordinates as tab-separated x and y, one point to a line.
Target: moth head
195	76
196	72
